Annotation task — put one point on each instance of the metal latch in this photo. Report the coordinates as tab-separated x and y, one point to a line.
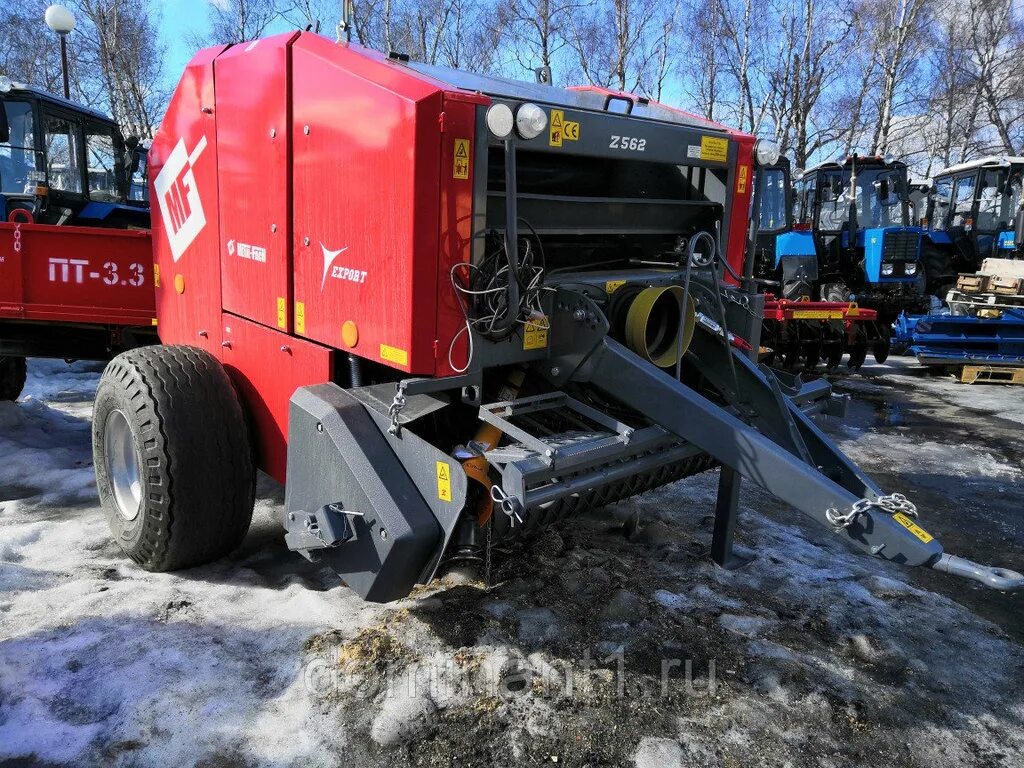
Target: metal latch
329	526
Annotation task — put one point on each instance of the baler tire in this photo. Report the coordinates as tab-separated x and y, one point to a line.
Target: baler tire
196	477
12	377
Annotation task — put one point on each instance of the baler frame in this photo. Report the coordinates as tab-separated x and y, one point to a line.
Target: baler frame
397	459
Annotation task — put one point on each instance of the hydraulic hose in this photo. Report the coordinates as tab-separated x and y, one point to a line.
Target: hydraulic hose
512	289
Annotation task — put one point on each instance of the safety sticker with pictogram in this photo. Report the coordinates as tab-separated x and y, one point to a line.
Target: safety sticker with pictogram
460	164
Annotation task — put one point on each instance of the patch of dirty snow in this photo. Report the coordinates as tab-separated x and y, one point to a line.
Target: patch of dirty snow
607	644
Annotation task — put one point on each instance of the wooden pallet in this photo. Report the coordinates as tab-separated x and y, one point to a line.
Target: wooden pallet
991	374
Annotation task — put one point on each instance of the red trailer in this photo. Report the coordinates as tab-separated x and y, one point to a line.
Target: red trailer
82	293
76	263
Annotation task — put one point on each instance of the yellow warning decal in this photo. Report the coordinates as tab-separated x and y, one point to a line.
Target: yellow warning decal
817	314
571	130
913	527
741	181
613	285
555	134
444	481
536	334
394	355
300	317
156	275
460	163
282	312
714	149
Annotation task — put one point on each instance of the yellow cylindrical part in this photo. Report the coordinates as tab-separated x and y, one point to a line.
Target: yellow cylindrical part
653	327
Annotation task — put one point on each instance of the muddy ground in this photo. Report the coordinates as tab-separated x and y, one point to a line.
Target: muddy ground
600	644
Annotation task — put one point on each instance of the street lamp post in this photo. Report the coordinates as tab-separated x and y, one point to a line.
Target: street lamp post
62	21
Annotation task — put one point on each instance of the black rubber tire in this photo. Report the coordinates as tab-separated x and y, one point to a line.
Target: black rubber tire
12	377
837	292
198	479
938	271
880	349
858	354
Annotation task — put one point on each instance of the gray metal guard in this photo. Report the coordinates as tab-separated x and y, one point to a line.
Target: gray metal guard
790	457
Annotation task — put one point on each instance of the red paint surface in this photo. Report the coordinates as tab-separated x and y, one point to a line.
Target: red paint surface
76	274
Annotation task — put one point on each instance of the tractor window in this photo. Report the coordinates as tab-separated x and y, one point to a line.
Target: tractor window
1016	195
772	216
63	166
835	202
139	189
941	198
989	200
101	160
18	171
963	201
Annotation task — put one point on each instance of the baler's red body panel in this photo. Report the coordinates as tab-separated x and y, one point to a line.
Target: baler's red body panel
367	169
76	275
254	183
183	191
267	367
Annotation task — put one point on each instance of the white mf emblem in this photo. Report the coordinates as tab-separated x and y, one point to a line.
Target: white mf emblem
180	206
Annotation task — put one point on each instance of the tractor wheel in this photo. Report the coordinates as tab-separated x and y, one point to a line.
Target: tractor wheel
174	465
833	356
937	270
812	356
880	349
837	292
858	354
12	377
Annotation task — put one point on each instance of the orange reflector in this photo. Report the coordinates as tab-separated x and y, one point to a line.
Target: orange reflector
350	333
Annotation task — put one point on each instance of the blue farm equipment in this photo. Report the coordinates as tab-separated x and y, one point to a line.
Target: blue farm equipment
858	211
956	340
799	329
975	211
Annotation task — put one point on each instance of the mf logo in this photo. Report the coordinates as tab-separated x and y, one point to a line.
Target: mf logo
180	206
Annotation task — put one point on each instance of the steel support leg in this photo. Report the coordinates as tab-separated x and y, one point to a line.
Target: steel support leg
726	515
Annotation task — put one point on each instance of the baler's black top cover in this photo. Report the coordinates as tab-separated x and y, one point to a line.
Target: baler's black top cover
560	97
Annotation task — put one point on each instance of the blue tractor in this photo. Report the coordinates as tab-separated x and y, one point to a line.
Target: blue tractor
805	327
975	211
63	163
858	212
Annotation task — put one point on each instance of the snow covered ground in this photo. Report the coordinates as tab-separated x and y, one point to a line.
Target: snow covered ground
593	648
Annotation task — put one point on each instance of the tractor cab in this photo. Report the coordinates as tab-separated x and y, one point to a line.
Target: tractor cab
975	212
786	261
869	249
63	163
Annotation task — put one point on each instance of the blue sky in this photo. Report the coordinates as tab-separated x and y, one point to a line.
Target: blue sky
180	17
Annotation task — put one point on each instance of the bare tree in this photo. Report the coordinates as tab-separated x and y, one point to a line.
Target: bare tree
613	43
127	58
536	29
234	21
996	48
804	99
705	51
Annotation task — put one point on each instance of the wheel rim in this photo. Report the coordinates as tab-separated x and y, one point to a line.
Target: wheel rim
122	464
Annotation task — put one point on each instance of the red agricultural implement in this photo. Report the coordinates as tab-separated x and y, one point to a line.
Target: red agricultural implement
805	333
448	310
76	277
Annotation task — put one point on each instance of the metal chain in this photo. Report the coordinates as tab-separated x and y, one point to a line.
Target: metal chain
894	503
396	408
